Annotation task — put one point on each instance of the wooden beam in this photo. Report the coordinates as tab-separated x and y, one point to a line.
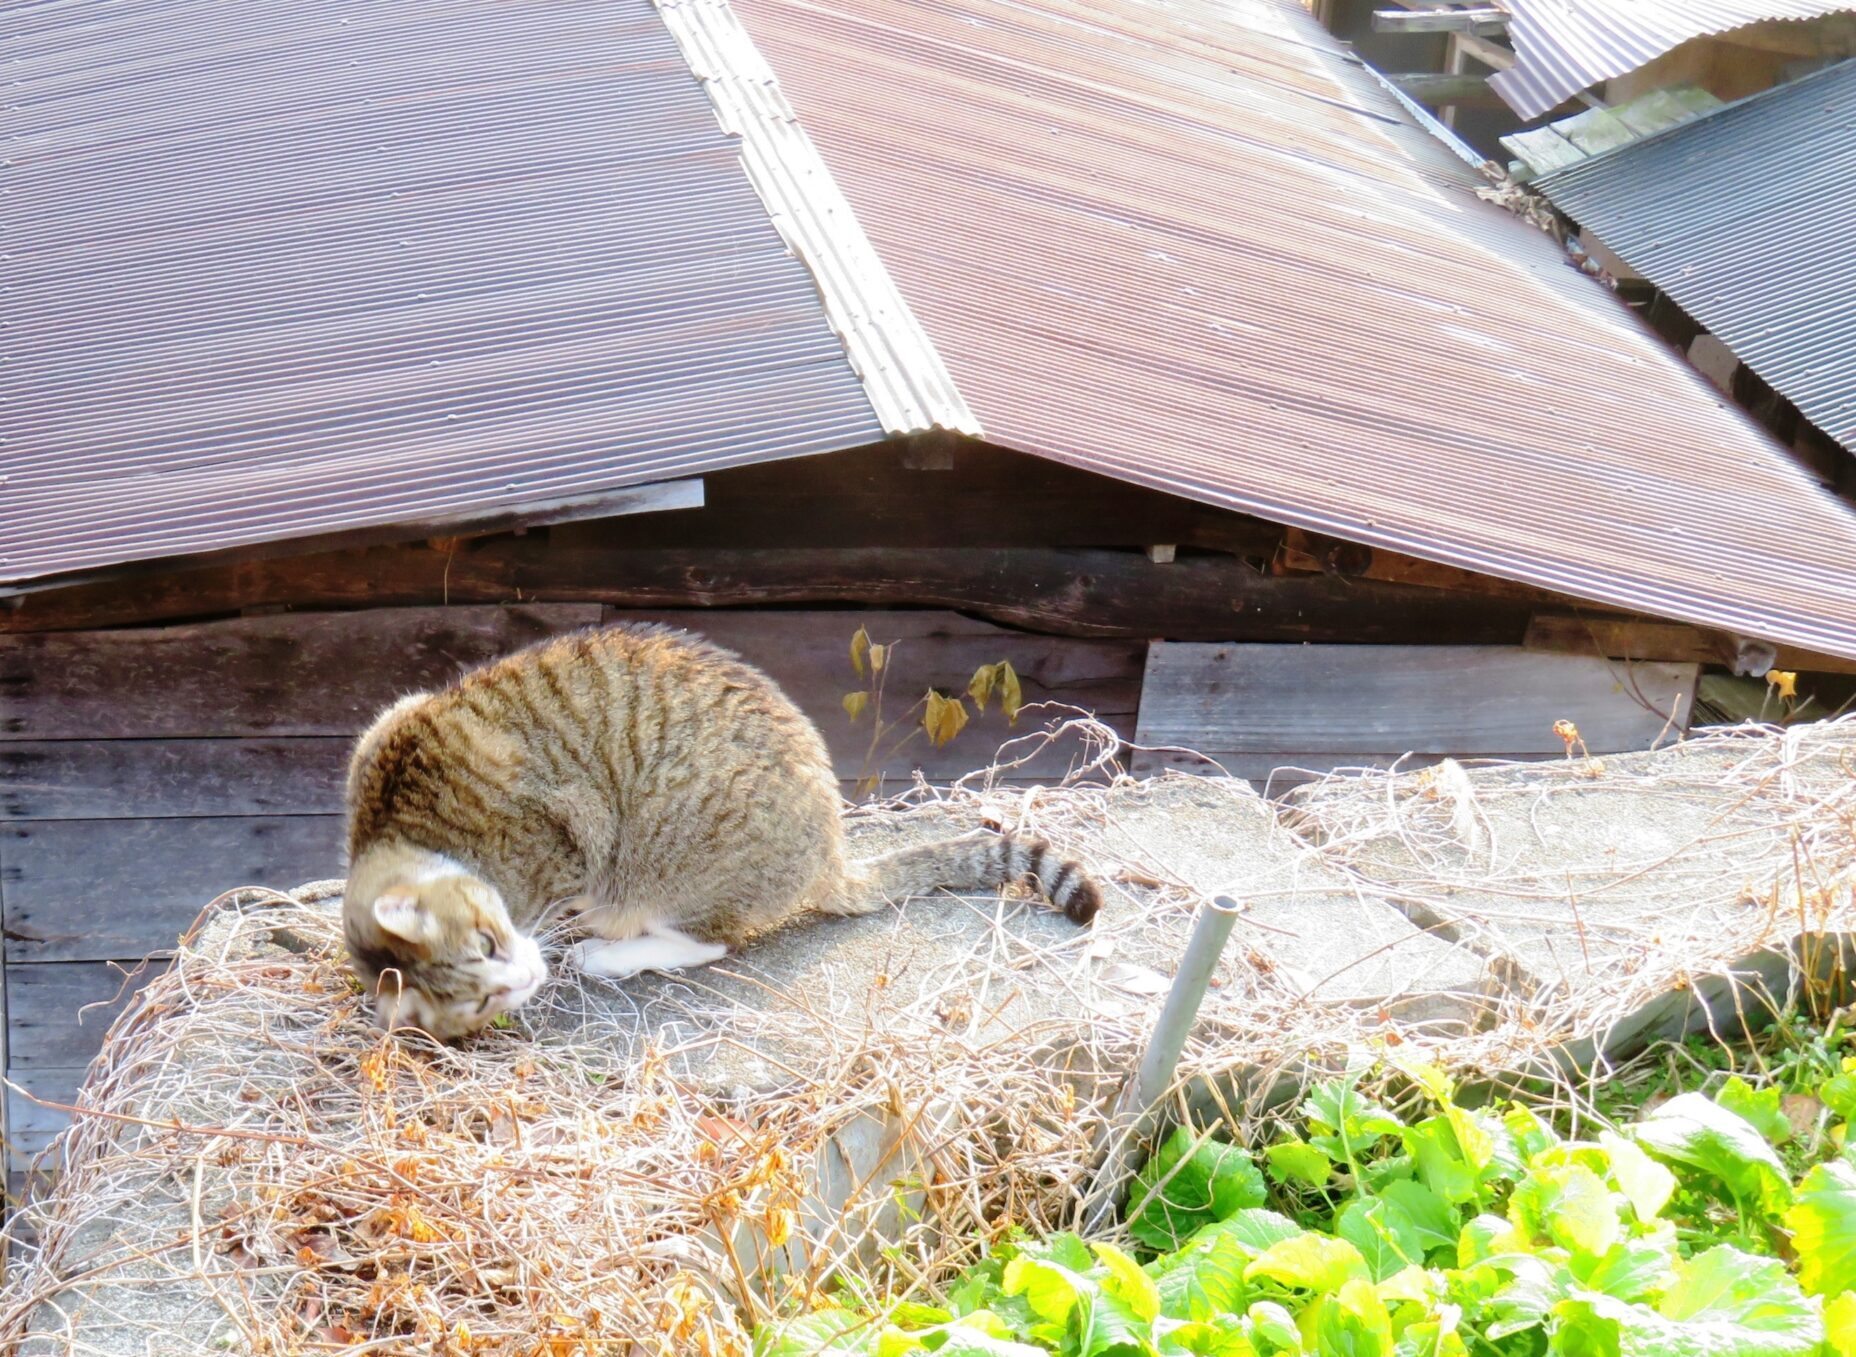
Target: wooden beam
1077	592
1478	20
1640	639
1489	53
1436	89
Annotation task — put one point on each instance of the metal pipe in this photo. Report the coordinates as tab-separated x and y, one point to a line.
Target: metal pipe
1136	1108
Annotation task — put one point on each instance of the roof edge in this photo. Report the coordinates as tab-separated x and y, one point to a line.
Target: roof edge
909	387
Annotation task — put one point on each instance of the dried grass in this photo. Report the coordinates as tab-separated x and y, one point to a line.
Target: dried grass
253	1160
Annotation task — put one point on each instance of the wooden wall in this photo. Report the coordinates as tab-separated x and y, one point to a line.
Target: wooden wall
144	771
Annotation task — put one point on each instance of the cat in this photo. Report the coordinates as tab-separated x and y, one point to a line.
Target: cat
657	784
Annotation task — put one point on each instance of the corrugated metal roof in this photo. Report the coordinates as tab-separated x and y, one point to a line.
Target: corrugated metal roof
902	373
282	268
1564	46
1745	217
1191	245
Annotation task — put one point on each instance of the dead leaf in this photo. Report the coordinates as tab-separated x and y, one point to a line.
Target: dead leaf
979	687
854	703
943	717
1011	694
860	647
1801	1113
1785	680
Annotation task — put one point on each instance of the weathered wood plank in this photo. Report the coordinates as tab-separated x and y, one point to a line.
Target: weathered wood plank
807	654
313	674
57	1014
1461	700
1067	591
1479	20
108	779
31	1127
1439	88
92	890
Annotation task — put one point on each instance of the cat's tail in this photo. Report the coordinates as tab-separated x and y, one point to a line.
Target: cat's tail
981	860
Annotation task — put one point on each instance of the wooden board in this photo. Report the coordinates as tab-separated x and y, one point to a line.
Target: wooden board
1297	702
92	890
807	654
309	674
105	779
57	1013
31	1127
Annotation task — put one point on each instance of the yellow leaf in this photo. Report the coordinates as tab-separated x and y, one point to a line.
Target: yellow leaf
979	688
860	647
1568	733
854	703
1011	696
1785	680
943	717
879	655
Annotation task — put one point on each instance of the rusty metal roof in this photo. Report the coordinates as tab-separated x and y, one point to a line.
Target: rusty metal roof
1745	218
1194	246
282	269
1564	46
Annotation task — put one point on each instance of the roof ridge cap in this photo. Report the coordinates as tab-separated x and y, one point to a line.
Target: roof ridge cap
908	385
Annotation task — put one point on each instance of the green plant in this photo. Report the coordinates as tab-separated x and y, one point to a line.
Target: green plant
1426	1228
937	715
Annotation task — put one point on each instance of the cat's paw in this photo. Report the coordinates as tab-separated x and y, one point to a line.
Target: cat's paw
657	951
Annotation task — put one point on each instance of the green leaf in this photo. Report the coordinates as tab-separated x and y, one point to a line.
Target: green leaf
1823	1226
1840	1324
1693	1129
1760	1107
1346	1120
1296	1161
1722	1303
1051	1289
1441	1165
1632	1270
961	1342
1353	1323
1222	1336
1273	1326
1434	1219
1127	1283
823	1333
1187	1185
854	704
1382	1232
1206	1278
1311	1262
1569	1205
1531	1134
1253	1228
1646	1184
1838	1093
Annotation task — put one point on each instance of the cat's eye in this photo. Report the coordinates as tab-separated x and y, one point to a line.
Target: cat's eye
487	941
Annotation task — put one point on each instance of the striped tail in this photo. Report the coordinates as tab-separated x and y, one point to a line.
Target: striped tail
985	861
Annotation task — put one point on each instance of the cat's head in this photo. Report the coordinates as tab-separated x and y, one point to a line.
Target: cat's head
438	952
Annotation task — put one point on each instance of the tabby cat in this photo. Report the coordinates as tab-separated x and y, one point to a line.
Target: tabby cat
653	782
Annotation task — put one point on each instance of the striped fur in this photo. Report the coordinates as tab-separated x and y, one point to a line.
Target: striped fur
658	784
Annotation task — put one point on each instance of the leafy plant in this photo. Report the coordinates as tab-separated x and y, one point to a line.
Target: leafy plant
937	715
1437	1230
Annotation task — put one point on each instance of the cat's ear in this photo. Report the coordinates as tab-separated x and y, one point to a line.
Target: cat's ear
400	913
